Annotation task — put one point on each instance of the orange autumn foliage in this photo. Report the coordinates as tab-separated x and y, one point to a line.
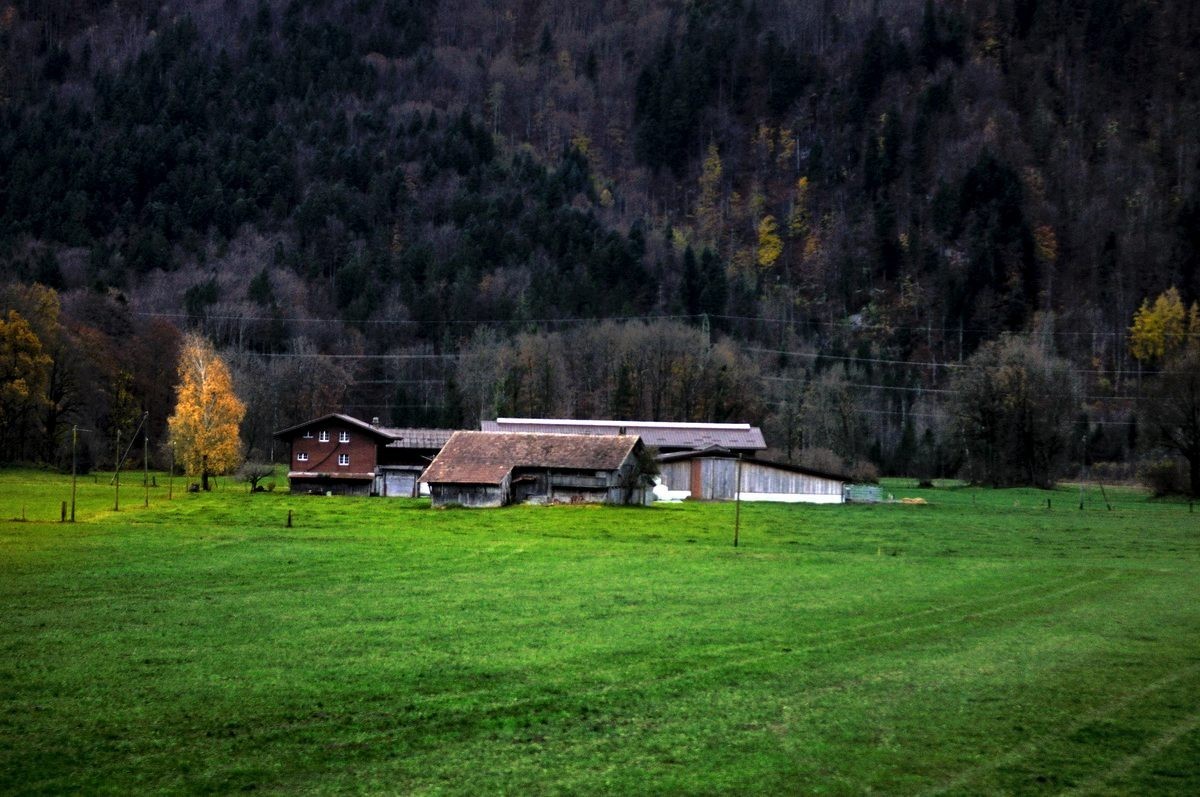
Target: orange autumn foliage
23	369
204	428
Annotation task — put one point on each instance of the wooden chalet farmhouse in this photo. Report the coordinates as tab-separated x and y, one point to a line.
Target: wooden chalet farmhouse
338	454
489	469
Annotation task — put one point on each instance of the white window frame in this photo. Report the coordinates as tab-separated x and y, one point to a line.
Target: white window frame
308	435
343	460
302	456
343	437
323	436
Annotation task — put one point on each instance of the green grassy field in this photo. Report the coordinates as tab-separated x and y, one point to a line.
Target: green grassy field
979	644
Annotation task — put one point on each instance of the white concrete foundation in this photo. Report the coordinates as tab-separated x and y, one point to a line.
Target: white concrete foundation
794	498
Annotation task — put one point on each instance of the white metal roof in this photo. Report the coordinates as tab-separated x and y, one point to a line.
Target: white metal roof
663	435
641	424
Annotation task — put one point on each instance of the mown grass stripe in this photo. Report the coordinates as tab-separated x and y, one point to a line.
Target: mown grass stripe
1101	712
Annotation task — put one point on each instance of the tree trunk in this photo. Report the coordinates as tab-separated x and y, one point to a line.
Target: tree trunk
204	474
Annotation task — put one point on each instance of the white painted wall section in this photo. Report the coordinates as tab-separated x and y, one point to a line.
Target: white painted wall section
794	498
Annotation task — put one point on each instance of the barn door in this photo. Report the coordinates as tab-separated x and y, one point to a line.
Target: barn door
399	484
697	481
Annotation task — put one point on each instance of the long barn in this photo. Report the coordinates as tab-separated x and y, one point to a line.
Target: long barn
490	469
713	475
664	436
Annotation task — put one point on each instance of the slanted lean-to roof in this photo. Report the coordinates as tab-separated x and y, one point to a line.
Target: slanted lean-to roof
487	457
417	438
721	453
710	451
661	434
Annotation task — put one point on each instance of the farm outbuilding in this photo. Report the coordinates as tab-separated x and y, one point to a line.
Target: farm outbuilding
404	457
490	469
712	475
664	436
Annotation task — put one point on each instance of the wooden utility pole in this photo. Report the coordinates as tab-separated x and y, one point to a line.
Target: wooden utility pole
75	430
117	476
737	502
74	445
1082	470
146	467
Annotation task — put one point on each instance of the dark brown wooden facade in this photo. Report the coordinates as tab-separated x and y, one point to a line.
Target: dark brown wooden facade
340	455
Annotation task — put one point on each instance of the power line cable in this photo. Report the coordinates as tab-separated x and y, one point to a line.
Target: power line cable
920	364
842	324
322	355
943	416
855	326
916	389
413	322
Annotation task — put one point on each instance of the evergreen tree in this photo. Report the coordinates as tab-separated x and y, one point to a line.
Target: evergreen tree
259	290
692	284
714	289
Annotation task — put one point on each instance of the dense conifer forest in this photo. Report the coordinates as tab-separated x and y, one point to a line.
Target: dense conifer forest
826	217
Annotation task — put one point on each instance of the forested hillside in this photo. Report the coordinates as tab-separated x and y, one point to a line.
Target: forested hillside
802	214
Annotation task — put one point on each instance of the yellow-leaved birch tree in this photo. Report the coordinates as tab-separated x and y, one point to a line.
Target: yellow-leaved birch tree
770	245
1160	329
204	429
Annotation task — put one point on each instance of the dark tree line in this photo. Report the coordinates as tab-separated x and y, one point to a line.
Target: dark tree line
876	184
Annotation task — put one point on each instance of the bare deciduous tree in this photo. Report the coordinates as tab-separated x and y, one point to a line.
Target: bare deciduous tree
1014	404
1174	410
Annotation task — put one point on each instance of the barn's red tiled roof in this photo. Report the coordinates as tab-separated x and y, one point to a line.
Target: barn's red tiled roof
487	457
660	434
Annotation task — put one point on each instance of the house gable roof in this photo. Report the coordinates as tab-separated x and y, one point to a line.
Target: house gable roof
335	416
661	434
487	457
394	437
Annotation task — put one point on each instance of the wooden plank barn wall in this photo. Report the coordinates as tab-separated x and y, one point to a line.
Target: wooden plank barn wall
714	479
